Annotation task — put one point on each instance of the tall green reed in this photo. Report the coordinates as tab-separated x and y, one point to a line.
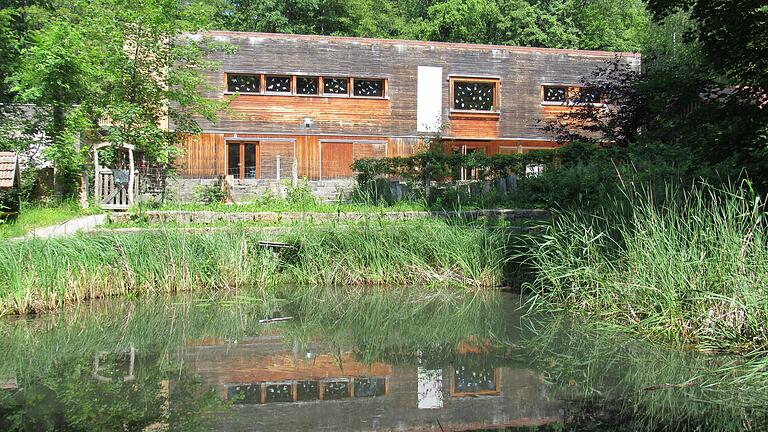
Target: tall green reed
38	275
690	266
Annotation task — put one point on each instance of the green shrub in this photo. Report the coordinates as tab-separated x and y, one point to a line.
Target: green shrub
209	194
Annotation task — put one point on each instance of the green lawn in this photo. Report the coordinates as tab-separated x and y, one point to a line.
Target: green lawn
35	215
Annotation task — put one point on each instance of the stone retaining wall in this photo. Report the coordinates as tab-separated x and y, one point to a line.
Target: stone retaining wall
207	217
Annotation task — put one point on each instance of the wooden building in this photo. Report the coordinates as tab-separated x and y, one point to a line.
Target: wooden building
320	102
10	183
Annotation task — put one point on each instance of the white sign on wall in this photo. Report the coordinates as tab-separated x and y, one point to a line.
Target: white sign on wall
429	99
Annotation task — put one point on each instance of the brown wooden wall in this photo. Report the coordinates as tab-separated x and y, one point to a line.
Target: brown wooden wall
354	126
204	155
521	73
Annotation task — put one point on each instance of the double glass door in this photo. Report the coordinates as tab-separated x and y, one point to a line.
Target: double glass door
243	160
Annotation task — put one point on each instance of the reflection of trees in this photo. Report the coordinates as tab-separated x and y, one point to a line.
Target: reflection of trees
68	397
613	381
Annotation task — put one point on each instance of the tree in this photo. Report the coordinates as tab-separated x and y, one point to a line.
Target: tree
120	60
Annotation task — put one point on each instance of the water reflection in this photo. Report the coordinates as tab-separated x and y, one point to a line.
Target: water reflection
274	389
375	362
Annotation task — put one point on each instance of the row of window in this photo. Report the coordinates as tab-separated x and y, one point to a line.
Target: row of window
304	85
466	94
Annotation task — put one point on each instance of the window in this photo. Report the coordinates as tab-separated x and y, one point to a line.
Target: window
307	85
562	93
238	83
475	381
555	93
299	85
589	95
338	86
278	84
369	87
475	95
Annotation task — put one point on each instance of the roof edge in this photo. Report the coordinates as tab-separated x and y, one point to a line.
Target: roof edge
420	43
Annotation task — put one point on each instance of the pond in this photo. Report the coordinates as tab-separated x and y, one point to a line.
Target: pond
366	360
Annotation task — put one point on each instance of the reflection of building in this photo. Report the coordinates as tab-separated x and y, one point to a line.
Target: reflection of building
276	389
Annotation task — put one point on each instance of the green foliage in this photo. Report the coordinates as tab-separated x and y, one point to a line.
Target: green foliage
38	275
301	195
210	194
607	24
683	266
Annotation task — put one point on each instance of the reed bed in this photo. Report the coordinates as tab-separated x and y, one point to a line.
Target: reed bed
38	275
691	266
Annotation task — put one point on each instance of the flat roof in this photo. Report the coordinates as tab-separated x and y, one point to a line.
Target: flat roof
451	45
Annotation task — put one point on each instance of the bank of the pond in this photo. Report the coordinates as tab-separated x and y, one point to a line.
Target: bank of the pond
40	275
690	267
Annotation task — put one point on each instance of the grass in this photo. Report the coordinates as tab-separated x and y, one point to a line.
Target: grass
37	275
37	215
280	205
689	267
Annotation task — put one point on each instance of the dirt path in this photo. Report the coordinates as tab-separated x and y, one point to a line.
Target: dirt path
67	228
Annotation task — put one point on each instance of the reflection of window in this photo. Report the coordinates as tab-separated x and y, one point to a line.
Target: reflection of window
279	392
278	84
307	390
307	85
475	381
237	83
333	390
339	86
369	387
245	393
475	95
369	87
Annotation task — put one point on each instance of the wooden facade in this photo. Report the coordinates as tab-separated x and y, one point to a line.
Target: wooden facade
320	102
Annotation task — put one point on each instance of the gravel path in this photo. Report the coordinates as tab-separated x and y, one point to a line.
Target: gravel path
67	228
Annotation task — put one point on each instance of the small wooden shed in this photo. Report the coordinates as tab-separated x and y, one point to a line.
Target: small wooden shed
10	184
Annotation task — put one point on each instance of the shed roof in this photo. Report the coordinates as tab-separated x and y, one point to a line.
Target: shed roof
9	170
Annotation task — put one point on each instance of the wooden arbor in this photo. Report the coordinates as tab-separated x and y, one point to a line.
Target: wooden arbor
115	188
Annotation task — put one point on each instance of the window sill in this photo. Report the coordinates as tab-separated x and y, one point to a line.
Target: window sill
332	96
571	104
481	115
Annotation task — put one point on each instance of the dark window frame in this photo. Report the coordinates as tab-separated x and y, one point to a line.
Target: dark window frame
323	82
495	103
572	95
384	88
293	83
272	92
318	87
227	76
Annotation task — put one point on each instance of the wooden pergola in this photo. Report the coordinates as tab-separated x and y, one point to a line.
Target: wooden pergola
109	193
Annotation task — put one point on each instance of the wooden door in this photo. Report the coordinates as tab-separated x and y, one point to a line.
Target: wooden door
336	160
243	160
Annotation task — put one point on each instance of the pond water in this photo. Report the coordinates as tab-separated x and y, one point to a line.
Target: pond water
369	360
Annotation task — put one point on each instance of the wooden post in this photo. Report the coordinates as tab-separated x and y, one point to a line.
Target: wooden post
295	172
130	176
96	175
277	166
